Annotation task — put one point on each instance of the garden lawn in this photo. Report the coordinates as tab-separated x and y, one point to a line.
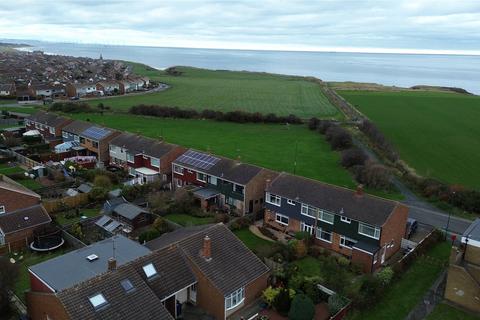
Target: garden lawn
30	184
29	259
404	294
6	169
436	133
250	240
29	110
231	90
446	312
268	145
188	220
89	213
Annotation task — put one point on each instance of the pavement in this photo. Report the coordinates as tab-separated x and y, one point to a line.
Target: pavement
421	210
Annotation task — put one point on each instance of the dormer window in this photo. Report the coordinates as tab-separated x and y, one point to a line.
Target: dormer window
149	270
127	285
98	301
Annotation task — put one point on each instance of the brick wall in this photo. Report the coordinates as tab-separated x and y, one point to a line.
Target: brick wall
21	239
293	224
166	160
363	259
14	200
255	190
40	305
394	229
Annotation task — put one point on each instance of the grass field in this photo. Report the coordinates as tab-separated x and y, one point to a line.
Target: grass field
250	240
231	90
445	312
270	146
29	110
436	133
404	294
188	220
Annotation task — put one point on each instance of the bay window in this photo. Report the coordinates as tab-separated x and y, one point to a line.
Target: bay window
234	299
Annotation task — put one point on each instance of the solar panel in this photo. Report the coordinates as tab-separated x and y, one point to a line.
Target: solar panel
96	133
198	160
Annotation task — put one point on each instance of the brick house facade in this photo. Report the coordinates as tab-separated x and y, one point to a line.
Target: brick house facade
48	124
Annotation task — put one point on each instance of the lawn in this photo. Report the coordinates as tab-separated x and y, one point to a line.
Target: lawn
445	312
232	90
30	184
29	259
26	182
404	294
6	169
250	240
89	213
188	220
436	133
271	146
29	110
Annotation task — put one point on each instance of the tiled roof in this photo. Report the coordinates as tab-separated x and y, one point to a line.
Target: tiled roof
47	118
128	210
87	129
138	144
365	208
228	169
140	303
23	219
77	127
232	264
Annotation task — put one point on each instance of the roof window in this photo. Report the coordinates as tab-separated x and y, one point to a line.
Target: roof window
98	301
127	285
149	270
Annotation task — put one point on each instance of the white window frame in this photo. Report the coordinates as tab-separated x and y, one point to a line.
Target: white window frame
345	219
278	199
376	231
98	301
213	180
235	186
278	219
51	130
235	299
305	227
320	231
76	138
199	174
291	202
323	214
178	169
2	209
152	159
128	155
149	270
344	239
306	210
179	183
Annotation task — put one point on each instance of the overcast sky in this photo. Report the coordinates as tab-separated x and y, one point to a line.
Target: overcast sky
345	25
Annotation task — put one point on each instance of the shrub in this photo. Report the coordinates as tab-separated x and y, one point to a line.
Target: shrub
160	224
70	107
269	295
313	123
97	194
303	235
323	126
338	138
8	277
375	175
148	235
102	181
352	157
310	287
302	308
240	223
379	140
221	217
336	303
282	302
342	261
385	276
300	249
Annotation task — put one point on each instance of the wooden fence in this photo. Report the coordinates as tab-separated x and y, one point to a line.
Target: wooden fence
53	206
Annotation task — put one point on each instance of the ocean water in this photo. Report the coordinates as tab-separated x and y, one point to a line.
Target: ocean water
402	70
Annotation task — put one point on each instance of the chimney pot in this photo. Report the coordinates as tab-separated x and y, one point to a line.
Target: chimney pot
207	248
112	264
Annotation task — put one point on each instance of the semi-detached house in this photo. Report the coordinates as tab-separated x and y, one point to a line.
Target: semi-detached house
145	159
220	182
49	125
365	228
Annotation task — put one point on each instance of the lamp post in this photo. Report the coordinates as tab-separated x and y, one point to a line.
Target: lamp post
448	221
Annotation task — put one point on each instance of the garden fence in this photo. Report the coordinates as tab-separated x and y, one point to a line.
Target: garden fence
53	206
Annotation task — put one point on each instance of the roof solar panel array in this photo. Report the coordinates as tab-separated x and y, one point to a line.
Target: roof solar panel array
96	133
198	159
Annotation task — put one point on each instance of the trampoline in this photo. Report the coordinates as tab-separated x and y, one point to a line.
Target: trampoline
47	239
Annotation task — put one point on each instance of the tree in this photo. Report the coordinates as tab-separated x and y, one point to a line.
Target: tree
102	181
8	276
375	175
160	201
160	224
97	194
302	308
282	302
300	249
313	123
338	138
353	157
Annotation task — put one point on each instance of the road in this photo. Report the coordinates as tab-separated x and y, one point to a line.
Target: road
421	210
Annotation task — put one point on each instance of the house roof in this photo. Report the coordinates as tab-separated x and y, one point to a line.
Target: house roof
57	272
9	184
365	208
88	130
224	168
77	127
128	210
24	218
232	264
83	85
84	188
139	303
137	144
473	233
6	87
47	118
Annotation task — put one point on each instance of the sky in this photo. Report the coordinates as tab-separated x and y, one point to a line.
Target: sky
408	26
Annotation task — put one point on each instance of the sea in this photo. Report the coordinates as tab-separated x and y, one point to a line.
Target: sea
402	70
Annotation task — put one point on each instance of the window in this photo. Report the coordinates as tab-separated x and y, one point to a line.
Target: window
82	140
238	188
154	162
273	199
127	285
307	228
52	130
149	270
177	169
98	301
111	148
326	217
95	144
369	231
201	177
230	201
324	235
345	219
2	209
347	242
309	210
291	202
280	218
130	157
234	299
179	183
213	180
76	138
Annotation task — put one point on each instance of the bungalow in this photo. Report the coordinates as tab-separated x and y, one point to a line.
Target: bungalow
20	214
108	87
145	159
78	90
365	228
206	266
222	182
7	89
48	124
93	139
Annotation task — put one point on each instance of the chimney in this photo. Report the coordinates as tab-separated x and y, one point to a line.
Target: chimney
112	264
359	191
268	182
207	248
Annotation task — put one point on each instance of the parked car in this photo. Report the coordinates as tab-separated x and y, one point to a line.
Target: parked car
412	225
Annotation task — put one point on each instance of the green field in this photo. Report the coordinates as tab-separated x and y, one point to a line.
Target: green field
231	90
250	240
271	146
438	134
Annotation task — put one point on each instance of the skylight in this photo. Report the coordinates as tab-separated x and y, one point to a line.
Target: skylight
149	270
98	301
127	285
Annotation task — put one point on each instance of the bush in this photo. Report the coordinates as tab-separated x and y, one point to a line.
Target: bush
148	235
310	287
160	225
323	126
240	223
97	194
221	217
379	140
70	107
282	302
343	262
8	277
269	295
385	276
338	138
353	157
375	175
313	123
300	249
302	308
102	181
336	303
